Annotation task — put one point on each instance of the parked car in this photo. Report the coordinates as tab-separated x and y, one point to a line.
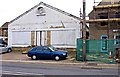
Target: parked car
46	52
4	48
2	41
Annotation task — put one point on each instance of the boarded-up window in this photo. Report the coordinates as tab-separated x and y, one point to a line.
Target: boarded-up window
61	38
21	38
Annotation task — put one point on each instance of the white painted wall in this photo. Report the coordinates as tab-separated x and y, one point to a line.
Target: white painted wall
31	22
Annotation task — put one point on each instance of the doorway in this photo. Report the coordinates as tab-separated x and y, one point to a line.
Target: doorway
104	43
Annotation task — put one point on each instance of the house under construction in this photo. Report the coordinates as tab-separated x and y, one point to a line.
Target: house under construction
104	33
104	20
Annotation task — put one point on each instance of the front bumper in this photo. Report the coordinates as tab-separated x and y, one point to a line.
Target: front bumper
29	55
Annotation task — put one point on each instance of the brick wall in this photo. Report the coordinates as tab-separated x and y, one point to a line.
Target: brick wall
96	32
0	32
96	29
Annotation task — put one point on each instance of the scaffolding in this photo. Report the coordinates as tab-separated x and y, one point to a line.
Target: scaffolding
104	24
106	14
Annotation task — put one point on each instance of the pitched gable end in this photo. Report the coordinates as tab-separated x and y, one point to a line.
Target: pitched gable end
49	6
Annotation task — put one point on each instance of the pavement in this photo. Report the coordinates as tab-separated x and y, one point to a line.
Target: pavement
16	56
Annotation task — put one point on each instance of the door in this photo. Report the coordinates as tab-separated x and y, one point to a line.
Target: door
39	38
39	52
104	43
43	38
3	48
47	53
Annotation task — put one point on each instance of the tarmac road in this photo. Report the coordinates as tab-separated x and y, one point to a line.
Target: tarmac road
16	64
11	68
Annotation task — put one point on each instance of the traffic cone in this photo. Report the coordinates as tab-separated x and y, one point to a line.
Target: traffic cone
110	54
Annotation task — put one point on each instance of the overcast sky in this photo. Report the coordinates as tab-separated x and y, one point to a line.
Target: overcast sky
10	9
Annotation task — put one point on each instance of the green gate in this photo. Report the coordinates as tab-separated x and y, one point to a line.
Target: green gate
96	50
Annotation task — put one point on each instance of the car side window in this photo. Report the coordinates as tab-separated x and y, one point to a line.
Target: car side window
39	49
46	49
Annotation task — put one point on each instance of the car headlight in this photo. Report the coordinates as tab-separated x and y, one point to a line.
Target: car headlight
64	53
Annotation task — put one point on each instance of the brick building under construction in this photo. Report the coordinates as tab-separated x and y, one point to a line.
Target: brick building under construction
104	20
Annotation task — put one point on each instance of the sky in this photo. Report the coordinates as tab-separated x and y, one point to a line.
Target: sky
10	9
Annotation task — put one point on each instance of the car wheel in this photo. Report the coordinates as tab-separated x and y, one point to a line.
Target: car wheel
34	57
9	50
57	58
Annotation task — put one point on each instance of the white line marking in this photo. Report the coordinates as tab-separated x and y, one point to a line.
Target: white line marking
19	73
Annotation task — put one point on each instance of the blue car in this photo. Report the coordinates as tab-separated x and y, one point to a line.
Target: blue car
45	52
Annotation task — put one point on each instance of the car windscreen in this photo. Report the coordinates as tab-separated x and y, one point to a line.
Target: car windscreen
51	48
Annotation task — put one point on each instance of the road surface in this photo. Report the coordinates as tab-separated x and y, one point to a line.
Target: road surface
29	69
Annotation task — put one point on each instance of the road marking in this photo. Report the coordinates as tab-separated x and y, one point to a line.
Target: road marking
20	73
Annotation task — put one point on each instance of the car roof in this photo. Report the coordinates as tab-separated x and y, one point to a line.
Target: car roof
40	46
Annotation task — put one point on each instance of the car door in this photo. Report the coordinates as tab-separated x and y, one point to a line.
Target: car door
2	48
47	53
39	52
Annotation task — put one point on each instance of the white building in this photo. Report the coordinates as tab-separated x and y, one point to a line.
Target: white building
43	25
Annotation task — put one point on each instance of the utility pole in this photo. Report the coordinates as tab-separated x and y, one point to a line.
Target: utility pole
84	30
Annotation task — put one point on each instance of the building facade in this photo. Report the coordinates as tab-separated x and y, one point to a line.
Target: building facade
4	29
105	20
44	24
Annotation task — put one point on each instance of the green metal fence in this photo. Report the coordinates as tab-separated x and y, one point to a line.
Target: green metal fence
96	50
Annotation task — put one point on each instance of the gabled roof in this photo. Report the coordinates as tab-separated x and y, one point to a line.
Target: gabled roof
49	6
5	25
